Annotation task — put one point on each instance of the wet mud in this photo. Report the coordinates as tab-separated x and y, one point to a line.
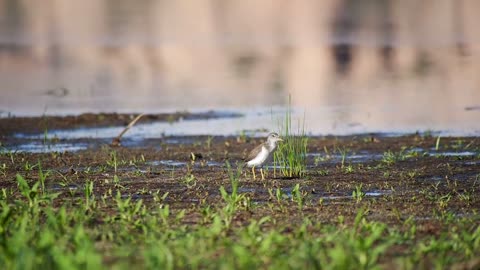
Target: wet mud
398	175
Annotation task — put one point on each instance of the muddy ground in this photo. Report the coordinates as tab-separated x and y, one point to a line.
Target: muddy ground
412	176
400	176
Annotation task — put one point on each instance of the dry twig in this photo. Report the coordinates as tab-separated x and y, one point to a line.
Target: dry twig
116	141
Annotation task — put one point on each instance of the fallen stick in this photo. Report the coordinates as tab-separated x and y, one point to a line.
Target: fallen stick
116	141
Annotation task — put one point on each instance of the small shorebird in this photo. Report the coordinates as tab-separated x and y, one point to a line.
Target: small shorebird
261	154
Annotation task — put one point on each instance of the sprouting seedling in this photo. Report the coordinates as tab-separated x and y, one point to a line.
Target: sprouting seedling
358	193
348	169
159	198
11	154
234	176
88	192
242	137
30	193
116	180
317	160
327	153
437	144
189	180
389	157
45	136
113	161
3	169
270	193
123	205
208	141
323	172
42	176
297	196
4	195
172	172
232	199
343	152
443	201
28	167
280	195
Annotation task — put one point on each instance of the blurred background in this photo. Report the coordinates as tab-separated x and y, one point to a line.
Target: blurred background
349	65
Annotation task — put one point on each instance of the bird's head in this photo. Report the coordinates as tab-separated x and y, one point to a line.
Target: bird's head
273	139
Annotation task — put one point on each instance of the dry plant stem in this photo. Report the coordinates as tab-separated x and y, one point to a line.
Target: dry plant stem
116	141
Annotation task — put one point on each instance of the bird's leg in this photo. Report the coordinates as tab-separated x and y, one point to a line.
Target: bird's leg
253	172
261	171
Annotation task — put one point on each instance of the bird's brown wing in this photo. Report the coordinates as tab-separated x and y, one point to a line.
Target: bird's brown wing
254	152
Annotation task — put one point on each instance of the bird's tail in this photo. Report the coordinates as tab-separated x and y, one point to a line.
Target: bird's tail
242	164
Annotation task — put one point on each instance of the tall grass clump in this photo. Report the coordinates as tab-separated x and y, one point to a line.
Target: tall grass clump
291	154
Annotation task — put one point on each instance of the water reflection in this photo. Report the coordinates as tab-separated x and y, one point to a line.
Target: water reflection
382	65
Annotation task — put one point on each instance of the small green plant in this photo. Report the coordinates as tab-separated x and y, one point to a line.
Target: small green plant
358	193
113	162
343	153
437	143
317	160
88	193
466	197
45	129
3	169
242	137
277	195
233	199
298	196
189	180
291	154
208	142
389	158
442	201
458	144
29	167
323	172
42	176
30	193
348	169
412	174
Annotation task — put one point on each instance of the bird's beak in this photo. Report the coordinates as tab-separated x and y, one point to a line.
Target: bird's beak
280	139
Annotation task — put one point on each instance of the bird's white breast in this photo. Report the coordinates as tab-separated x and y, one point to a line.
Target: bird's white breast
260	158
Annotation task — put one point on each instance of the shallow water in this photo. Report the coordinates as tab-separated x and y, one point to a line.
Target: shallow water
343	196
255	123
38	147
363	156
169	163
453	154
